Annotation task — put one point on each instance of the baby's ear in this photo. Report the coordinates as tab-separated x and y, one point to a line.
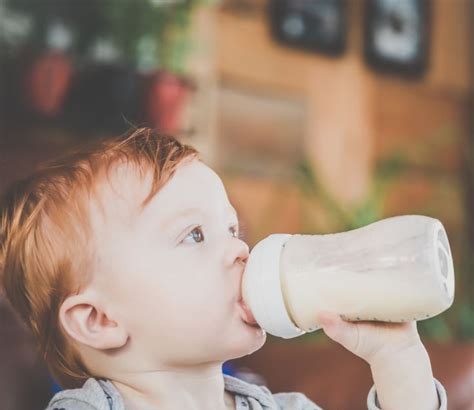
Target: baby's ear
86	322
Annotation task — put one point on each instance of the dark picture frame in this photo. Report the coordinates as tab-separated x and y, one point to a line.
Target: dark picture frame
397	36
313	25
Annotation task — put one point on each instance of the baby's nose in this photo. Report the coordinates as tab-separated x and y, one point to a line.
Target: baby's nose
238	253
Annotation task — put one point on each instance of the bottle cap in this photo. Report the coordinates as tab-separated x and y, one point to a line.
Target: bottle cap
261	288
443	260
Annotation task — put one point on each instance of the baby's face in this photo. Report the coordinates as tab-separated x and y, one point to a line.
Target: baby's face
171	275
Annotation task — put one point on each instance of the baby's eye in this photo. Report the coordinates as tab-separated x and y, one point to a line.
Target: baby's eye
234	230
196	234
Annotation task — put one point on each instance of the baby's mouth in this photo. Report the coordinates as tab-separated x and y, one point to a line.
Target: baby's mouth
248	316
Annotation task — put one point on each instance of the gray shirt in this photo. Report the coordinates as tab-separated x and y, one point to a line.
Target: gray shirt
102	395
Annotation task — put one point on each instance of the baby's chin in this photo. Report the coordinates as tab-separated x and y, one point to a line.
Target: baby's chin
247	347
252	336
236	335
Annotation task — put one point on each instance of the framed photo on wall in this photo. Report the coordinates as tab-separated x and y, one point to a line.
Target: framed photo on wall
397	35
314	25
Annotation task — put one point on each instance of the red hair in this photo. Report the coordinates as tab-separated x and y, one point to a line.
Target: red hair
45	233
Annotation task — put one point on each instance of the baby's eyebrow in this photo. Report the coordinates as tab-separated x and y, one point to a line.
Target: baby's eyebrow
187	212
180	214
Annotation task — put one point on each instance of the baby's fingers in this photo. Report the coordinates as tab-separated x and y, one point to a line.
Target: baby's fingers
339	330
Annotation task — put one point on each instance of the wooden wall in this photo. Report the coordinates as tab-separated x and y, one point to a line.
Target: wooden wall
355	116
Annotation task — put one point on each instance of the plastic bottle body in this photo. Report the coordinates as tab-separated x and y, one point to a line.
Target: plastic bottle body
394	270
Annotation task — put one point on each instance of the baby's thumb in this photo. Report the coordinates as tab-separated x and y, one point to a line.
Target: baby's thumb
339	330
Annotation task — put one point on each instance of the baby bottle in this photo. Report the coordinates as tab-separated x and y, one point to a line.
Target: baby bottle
394	270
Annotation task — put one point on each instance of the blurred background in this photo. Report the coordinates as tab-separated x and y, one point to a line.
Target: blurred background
319	115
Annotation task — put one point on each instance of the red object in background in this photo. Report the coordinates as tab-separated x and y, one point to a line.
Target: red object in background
48	81
167	94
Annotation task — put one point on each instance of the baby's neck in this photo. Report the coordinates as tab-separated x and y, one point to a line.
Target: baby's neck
191	388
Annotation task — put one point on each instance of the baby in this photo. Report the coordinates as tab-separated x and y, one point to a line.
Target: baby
125	259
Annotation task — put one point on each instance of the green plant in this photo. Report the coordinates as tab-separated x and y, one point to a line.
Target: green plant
370	209
155	33
154	30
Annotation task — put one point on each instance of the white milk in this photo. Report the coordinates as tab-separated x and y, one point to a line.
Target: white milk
394	270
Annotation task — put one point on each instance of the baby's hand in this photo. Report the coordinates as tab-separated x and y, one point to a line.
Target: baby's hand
399	362
367	339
